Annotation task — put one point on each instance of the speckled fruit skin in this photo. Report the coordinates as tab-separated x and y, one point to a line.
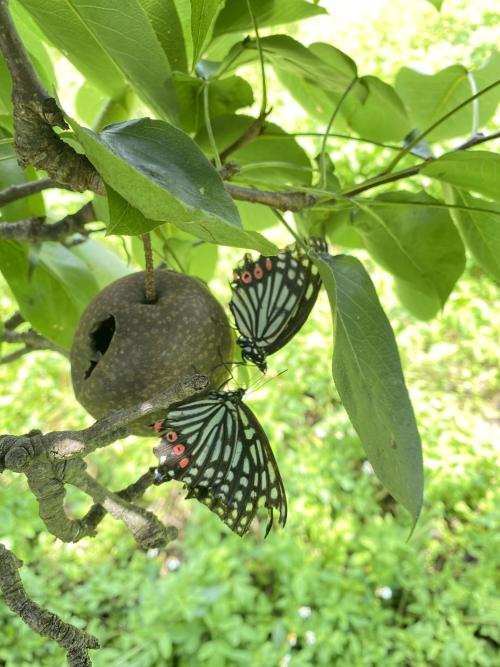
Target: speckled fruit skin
154	345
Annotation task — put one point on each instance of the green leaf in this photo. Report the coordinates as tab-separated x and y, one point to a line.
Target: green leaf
162	173
373	109
416	243
236	18
111	42
376	111
105	265
52	288
480	231
273	157
428	97
368	376
478	171
203	15
224	97
436	3
164	18
286	53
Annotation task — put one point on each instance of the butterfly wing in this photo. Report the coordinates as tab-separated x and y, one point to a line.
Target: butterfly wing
218	449
273	296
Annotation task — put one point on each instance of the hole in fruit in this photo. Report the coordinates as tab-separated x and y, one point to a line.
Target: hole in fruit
100	340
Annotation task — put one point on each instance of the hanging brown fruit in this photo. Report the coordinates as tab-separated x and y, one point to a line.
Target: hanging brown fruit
126	350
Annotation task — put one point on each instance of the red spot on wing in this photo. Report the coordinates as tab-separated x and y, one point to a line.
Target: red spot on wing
179	449
184	462
258	272
246	277
269	263
171	436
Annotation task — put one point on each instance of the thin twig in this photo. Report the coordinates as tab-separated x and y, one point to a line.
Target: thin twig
37	231
254	130
32	340
15	192
14	321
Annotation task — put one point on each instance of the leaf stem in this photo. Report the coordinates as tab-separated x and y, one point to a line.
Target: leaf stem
263	105
208	124
322	159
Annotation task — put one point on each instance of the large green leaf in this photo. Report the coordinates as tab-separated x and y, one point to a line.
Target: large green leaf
203	15
416	242
368	376
52	287
235	16
160	171
428	97
480	231
164	18
478	171
372	108
111	42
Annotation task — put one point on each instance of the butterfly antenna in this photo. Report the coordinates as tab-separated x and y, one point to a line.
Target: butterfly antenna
255	386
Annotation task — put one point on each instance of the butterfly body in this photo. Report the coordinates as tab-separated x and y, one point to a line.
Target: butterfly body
218	449
272	298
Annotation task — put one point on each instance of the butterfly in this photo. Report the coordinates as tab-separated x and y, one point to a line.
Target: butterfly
216	446
272	298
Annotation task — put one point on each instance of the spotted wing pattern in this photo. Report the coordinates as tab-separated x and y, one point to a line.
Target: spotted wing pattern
217	447
272	298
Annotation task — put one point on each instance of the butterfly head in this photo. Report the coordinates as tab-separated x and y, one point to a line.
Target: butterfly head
252	353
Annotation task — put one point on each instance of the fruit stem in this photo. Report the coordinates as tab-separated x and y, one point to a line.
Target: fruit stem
149	283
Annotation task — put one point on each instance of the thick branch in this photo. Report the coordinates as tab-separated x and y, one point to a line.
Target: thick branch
130	493
35	113
148	531
37	231
15	192
75	642
17	452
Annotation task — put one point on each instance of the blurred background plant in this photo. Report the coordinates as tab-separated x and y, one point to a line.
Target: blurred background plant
341	584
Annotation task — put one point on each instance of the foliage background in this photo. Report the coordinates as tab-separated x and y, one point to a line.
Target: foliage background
341	584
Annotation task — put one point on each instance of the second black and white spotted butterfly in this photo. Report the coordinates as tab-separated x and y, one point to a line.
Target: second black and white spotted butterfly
272	298
216	446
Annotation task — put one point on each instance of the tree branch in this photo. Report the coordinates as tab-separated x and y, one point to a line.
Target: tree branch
148	531
130	493
254	130
35	113
32	341
282	200
37	231
75	642
18	452
14	192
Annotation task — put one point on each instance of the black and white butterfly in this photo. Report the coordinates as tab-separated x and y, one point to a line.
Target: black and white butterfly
272	298
216	446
